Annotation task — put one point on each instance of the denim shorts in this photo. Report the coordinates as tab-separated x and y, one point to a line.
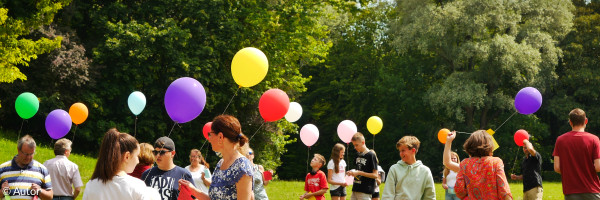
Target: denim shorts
339	192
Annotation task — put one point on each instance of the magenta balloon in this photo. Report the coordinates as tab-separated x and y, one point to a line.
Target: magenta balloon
185	99
58	123
345	130
309	134
528	100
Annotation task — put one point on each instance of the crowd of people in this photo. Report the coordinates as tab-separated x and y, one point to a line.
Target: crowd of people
126	169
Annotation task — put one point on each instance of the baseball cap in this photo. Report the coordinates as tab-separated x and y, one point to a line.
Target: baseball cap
164	142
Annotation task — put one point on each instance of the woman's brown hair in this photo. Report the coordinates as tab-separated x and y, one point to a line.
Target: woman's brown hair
202	161
114	145
230	127
335	156
146	156
479	144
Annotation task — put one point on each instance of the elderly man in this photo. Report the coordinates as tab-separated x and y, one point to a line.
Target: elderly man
22	177
64	173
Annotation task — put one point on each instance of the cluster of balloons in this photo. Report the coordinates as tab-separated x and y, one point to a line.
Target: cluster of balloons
58	122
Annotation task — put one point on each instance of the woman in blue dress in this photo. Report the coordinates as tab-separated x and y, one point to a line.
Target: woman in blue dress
232	178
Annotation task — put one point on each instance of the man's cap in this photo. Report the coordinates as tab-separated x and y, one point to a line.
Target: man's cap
165	142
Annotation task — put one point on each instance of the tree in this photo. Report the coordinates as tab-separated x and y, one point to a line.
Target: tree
486	51
17	19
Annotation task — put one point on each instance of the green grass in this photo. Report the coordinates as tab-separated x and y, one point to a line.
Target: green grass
276	189
293	189
43	153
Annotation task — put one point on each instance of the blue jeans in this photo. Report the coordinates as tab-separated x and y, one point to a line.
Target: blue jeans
451	196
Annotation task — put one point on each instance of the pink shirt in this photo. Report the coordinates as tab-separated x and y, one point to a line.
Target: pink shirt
63	174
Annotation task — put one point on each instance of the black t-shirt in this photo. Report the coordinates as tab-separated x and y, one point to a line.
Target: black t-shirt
166	182
366	163
531	170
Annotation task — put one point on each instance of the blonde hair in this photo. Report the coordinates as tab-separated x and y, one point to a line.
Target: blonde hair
146	156
446	169
320	158
409	141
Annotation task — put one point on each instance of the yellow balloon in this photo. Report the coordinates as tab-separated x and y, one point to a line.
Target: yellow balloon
374	125
249	67
78	113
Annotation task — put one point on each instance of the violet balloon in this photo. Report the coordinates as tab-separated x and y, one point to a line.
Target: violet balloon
58	123
185	99
528	100
309	134
345	130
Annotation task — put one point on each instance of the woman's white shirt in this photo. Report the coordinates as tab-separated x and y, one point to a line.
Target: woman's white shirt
120	187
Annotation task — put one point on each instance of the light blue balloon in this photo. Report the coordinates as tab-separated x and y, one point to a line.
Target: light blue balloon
136	102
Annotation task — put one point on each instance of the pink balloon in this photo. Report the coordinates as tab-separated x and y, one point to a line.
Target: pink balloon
207	127
346	129
521	135
309	134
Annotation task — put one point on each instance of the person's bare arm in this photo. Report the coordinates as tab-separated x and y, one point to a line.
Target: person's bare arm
317	193
557	164
330	179
529	147
76	192
597	165
448	153
244	188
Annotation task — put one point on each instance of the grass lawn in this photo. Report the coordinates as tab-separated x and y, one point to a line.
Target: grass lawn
277	190
280	190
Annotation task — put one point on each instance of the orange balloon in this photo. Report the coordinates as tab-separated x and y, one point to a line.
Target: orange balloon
78	113
442	135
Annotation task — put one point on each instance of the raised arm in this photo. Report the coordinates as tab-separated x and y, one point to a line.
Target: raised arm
529	147
448	153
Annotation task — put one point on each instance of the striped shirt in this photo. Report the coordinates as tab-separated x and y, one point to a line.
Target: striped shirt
20	179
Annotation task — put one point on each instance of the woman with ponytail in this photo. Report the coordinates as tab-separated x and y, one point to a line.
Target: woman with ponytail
118	156
232	178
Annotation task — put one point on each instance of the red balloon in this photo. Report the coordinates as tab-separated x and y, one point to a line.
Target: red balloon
273	105
206	129
521	135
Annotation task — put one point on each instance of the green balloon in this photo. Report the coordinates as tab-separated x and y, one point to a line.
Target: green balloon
27	104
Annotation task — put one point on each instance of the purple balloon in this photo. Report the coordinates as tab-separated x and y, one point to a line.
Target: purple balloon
528	100
58	123
185	99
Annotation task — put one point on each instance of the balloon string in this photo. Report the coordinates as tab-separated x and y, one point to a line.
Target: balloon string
171	130
202	145
75	131
256	131
463	132
307	157
19	136
135	127
505	121
347	146
512	170
373	142
236	91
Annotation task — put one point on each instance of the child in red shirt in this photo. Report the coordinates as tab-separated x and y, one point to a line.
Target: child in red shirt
316	181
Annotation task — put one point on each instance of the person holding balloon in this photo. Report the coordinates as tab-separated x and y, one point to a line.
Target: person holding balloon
259	181
481	176
336	170
577	159
531	176
449	178
232	178
450	161
199	169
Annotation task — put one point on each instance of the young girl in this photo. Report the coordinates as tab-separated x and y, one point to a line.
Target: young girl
449	180
199	169
336	172
481	176
118	156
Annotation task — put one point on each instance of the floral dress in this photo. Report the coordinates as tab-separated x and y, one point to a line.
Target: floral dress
482	178
223	181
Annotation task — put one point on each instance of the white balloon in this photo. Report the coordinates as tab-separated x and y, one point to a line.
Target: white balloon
309	134
294	112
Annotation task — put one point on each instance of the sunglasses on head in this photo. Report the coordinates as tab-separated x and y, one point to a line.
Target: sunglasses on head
250	153
161	152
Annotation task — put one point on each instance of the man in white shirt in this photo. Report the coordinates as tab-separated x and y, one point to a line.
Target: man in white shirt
64	173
